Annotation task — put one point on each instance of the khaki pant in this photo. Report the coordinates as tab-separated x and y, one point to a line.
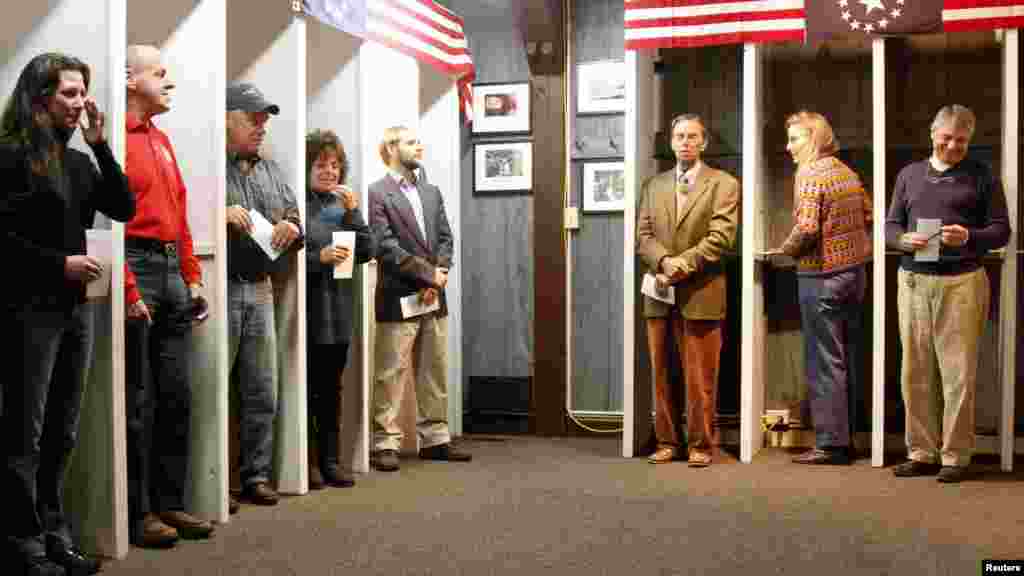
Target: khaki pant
419	345
941	321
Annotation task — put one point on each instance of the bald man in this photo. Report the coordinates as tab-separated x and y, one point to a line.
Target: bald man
162	283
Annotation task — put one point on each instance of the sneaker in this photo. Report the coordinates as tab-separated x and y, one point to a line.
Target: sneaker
445	452
952	474
386	460
915	468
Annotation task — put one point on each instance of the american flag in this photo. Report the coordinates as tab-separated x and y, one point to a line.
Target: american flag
422	29
690	23
961	15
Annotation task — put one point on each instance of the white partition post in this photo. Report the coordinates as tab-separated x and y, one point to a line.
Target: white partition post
440	130
279	71
96	490
1008	289
878	251
640	127
388	93
191	38
752	320
333	102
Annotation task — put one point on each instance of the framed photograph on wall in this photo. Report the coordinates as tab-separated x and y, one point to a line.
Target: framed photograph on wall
503	167
603	186
600	87
501	108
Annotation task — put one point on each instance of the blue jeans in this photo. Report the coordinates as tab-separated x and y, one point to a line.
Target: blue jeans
830	312
158	391
47	362
252	354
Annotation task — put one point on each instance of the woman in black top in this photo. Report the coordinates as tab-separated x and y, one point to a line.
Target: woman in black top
330	207
49	196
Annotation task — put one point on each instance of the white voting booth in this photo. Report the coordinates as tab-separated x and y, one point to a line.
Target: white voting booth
760	211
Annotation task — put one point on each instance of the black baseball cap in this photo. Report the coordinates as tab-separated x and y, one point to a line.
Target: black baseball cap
248	98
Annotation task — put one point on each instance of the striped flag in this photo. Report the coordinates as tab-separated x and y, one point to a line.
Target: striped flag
961	15
690	23
422	29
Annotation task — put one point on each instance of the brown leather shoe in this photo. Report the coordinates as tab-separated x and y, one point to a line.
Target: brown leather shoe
699	459
663	455
233	505
260	493
316	479
445	452
189	527
156	534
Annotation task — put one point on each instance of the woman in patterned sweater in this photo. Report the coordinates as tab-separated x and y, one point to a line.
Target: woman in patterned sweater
830	242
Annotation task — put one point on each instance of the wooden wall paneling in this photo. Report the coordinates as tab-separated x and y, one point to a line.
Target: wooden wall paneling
498	244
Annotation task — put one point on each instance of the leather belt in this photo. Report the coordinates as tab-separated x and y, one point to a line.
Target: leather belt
248	278
169	249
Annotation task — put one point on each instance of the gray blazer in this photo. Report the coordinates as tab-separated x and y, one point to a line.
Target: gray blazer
406	259
329	301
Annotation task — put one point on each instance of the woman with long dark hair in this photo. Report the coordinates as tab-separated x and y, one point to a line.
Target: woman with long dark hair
50	195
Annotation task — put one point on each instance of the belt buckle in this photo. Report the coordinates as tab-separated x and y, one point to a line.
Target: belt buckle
170	249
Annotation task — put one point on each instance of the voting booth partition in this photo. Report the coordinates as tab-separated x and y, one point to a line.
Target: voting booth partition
94	33
880	96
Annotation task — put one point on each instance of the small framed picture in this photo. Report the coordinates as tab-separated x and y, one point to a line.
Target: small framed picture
503	167
501	108
600	87
603	186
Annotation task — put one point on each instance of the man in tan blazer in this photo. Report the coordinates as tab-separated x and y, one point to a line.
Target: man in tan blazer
686	223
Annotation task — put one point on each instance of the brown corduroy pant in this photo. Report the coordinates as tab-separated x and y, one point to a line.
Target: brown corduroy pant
699	344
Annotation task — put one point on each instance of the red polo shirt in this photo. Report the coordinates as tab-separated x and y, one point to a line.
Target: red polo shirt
161	211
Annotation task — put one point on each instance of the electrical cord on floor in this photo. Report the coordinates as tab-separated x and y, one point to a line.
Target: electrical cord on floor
595	430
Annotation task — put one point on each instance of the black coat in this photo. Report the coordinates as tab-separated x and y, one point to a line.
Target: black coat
40	227
329	301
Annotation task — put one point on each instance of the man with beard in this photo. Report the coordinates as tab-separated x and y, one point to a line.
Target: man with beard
50	195
414	254
686	224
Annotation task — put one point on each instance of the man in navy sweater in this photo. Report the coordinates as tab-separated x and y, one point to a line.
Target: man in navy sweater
946	213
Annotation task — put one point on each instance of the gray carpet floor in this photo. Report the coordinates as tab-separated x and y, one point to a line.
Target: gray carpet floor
572	506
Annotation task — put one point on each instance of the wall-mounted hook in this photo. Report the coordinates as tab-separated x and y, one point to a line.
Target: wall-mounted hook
613	144
579	145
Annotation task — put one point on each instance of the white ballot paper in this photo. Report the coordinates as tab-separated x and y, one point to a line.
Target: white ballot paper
262	232
100	245
650	288
930	227
345	239
412	306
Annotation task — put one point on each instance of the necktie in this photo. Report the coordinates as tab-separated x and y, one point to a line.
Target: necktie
682	189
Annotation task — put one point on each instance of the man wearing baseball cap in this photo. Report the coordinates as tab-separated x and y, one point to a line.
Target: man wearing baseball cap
257	190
